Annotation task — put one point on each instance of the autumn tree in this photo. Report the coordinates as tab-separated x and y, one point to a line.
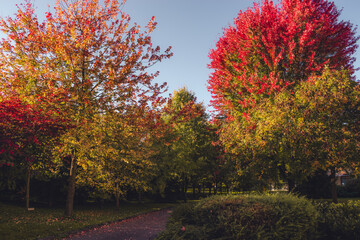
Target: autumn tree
119	153
26	132
330	106
259	66
189	148
84	58
295	135
271	47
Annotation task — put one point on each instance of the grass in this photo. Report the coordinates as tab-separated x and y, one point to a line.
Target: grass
18	223
340	200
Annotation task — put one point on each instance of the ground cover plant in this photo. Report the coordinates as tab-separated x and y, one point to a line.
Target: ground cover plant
18	223
253	216
339	221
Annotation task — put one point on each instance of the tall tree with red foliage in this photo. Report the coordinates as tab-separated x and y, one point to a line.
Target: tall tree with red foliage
83	58
271	47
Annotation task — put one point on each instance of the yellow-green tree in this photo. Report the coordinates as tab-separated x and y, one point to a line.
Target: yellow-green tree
117	153
84	58
295	134
190	146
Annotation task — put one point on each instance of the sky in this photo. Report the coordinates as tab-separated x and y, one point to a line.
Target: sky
192	28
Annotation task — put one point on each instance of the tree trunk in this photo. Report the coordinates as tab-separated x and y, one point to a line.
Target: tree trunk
28	176
287	177
50	191
69	208
194	191
140	197
117	196
291	185
185	187
333	185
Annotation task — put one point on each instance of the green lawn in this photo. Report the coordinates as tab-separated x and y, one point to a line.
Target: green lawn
18	223
340	200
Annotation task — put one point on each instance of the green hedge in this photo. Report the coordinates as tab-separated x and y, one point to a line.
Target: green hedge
350	190
278	216
339	221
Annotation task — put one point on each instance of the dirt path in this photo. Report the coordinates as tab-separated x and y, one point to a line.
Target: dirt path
143	227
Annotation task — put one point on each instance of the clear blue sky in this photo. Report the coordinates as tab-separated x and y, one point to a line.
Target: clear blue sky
192	28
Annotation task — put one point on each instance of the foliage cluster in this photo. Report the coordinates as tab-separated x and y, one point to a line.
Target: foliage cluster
271	47
252	216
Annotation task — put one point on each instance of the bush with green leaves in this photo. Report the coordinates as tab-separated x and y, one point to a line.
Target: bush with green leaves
339	221
351	189
277	216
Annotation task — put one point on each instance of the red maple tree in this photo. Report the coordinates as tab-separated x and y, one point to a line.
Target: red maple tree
275	46
23	125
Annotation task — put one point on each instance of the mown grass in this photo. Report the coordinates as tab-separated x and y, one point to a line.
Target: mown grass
340	200
19	223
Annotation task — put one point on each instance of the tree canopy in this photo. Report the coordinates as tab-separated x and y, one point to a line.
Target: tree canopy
84	59
271	47
283	80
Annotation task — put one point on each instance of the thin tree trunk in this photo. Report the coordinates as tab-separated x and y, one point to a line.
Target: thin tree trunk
28	176
140	199
117	196
69	208
287	177
333	185
291	185
185	187
51	199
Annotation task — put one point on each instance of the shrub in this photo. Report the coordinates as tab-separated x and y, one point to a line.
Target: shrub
339	221
351	189
279	216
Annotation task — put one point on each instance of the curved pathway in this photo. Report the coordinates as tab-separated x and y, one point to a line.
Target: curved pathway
142	227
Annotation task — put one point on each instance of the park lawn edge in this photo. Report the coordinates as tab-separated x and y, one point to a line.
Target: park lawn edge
72	226
90	227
